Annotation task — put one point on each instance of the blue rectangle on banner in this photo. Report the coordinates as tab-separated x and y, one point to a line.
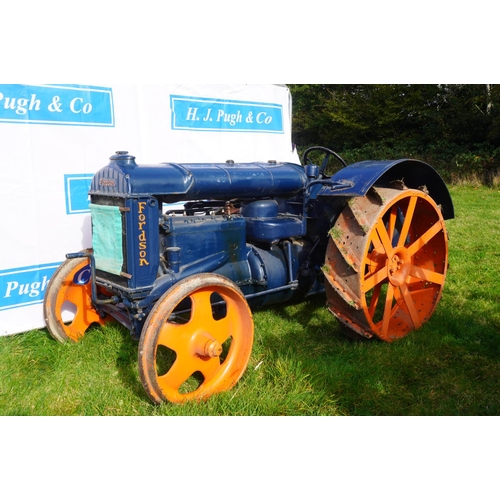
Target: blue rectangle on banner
76	188
216	115
57	105
24	286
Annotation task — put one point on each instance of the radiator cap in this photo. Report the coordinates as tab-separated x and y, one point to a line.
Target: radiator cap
124	159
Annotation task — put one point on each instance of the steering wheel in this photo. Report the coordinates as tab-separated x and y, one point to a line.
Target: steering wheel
328	154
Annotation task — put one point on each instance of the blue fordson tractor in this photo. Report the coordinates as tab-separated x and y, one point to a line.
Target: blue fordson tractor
182	253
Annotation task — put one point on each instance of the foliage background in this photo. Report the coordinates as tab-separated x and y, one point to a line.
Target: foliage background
453	127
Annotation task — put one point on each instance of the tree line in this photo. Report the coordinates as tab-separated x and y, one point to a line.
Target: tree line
455	128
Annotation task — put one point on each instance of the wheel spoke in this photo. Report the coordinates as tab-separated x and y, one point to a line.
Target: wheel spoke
221	329
427	275
209	368
392	221
180	371
405	293
75	293
387	310
201	309
425	238
384	237
374	300
85	314
173	336
407	222
378	247
374	279
82	320
372	263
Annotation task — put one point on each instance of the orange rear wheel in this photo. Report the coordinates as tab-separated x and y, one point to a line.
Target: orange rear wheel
196	341
386	262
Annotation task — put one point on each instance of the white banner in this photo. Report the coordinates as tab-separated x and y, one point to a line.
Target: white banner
53	138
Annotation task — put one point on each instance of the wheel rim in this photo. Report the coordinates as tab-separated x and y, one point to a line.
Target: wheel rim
69	294
386	263
203	353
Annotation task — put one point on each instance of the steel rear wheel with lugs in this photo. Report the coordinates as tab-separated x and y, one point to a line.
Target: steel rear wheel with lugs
386	262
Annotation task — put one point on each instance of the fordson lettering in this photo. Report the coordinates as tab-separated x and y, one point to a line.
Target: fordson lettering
142	235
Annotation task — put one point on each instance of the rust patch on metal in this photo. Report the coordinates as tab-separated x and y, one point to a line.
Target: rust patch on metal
342	289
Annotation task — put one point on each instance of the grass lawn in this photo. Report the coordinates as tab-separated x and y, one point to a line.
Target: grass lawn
301	362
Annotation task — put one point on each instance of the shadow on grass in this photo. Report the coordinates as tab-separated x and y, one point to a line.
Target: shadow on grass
111	345
127	364
448	367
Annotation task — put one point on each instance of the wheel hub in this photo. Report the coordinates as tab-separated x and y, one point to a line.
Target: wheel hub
213	349
205	346
398	266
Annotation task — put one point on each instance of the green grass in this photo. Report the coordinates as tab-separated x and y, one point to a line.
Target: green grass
301	362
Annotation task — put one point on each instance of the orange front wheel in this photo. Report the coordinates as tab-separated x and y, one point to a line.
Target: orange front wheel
196	341
67	305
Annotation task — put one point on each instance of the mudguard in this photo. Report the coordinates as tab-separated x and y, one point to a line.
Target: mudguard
356	180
